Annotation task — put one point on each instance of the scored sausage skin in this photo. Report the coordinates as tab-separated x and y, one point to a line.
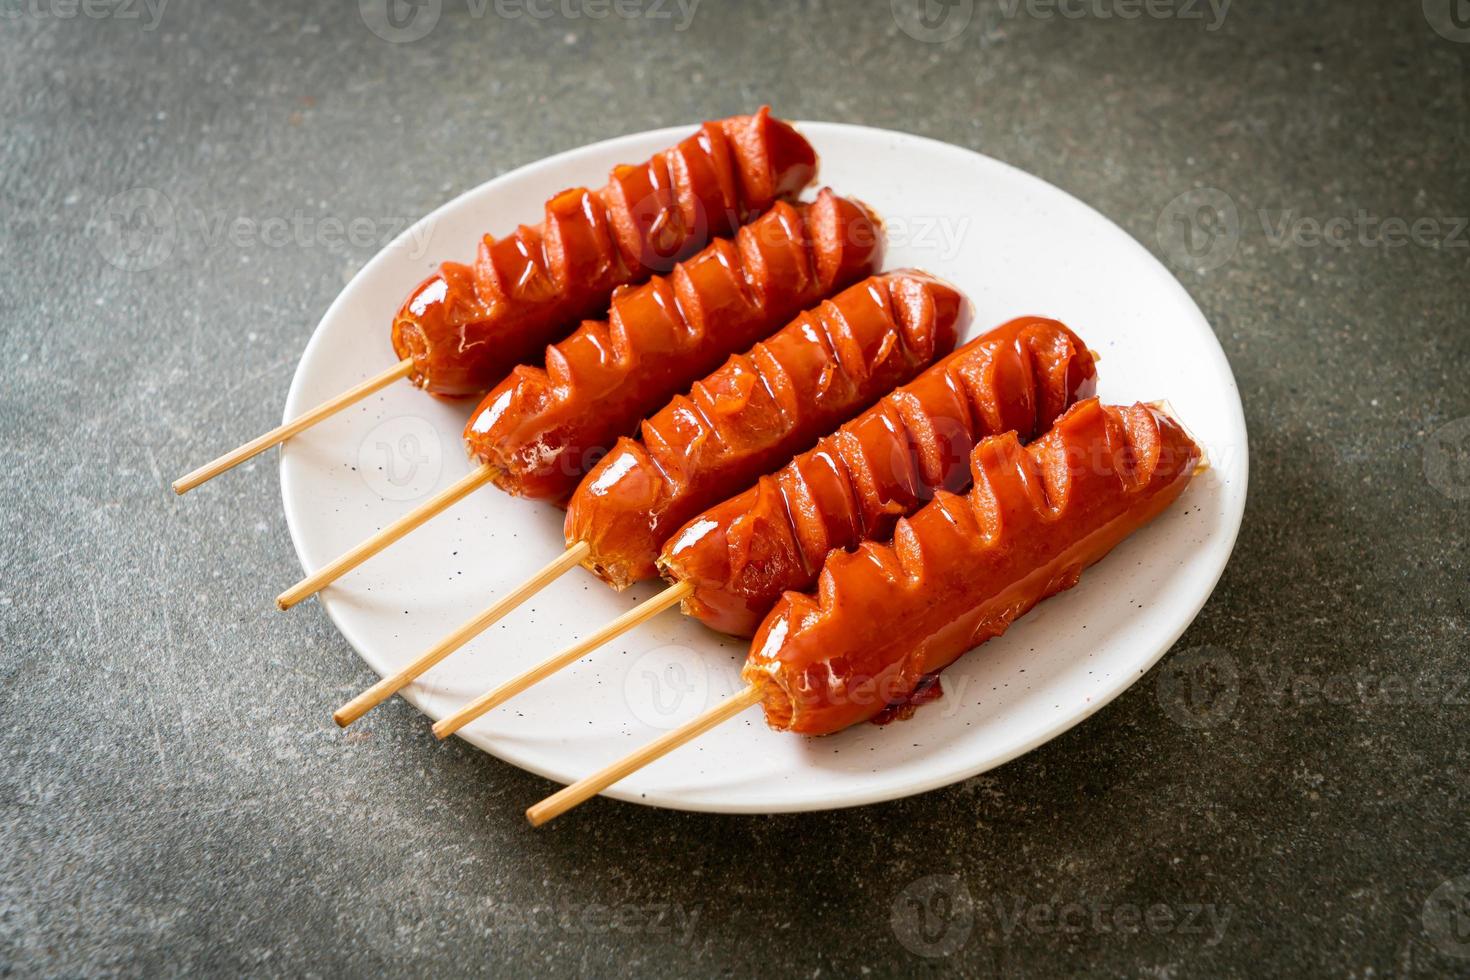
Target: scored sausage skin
854	485
758	410
466	326
542	429
887	616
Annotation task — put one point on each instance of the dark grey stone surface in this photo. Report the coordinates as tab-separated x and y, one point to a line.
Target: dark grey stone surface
175	797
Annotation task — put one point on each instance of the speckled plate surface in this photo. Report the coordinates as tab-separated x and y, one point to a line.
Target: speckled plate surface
1017	245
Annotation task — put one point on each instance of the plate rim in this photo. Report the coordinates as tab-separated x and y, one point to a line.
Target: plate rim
813	129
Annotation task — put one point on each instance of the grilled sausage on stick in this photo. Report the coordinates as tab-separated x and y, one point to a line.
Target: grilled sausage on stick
462	329
542	429
603	379
731	563
740	555
886	617
764	405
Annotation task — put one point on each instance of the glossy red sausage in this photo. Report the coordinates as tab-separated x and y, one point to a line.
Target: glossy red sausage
466	326
856	483
884	617
542	429
756	411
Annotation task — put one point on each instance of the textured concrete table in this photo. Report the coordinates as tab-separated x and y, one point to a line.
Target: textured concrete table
1286	793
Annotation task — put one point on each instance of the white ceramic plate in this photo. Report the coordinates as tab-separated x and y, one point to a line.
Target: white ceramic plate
1017	245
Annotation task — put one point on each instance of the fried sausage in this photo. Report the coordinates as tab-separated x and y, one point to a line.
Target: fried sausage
543	428
756	411
466	326
887	616
854	485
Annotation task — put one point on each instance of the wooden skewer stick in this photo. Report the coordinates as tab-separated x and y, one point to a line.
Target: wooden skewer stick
638	614
583	789
281	433
388	686
329	573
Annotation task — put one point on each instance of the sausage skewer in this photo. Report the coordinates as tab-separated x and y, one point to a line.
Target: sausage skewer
759	408
297	425
537	432
885	618
462	329
730	564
